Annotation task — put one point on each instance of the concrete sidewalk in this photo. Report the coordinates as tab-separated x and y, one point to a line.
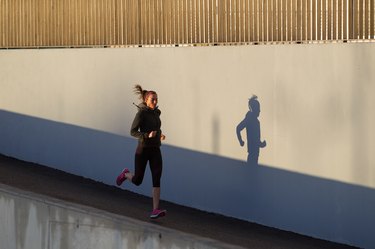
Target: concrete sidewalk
47	222
185	224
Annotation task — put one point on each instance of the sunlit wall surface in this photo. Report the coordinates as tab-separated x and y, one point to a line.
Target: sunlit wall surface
315	101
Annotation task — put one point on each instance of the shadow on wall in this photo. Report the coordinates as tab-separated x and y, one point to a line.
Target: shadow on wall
252	126
313	206
78	150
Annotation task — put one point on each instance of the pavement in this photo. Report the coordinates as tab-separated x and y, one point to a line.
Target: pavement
67	187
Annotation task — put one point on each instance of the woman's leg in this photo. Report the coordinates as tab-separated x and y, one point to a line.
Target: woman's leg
156	166
140	161
155	197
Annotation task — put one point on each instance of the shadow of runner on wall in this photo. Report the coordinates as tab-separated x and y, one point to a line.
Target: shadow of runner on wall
251	125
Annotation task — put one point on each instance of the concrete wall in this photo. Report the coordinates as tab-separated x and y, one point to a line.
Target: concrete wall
72	109
29	221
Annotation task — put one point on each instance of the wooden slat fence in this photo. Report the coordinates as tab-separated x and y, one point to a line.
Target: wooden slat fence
76	23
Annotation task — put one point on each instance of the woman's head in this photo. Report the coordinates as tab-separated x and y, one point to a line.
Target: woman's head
150	98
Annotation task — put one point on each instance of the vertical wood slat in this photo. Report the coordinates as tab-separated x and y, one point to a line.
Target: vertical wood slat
38	23
372	19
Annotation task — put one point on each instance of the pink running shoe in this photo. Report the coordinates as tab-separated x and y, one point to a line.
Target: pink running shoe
121	178
157	213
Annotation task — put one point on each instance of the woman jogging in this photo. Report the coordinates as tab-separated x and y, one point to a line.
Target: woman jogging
146	127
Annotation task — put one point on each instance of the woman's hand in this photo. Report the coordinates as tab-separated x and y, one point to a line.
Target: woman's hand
152	134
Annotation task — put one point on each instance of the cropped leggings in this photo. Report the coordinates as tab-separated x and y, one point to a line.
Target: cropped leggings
153	156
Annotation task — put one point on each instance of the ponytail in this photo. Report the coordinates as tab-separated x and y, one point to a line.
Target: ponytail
138	90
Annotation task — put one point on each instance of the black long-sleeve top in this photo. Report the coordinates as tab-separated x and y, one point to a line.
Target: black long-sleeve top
145	121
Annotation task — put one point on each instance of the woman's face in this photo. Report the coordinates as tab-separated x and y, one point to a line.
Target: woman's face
152	101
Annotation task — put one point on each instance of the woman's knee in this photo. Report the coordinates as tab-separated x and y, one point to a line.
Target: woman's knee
137	181
156	184
156	180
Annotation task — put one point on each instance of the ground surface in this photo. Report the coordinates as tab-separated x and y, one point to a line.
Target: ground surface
68	187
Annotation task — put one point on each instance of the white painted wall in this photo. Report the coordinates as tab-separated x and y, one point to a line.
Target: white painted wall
72	109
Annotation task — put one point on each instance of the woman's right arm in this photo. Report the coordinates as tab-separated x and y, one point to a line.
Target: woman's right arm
134	130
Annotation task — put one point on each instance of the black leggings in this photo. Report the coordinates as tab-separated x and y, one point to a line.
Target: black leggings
144	155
